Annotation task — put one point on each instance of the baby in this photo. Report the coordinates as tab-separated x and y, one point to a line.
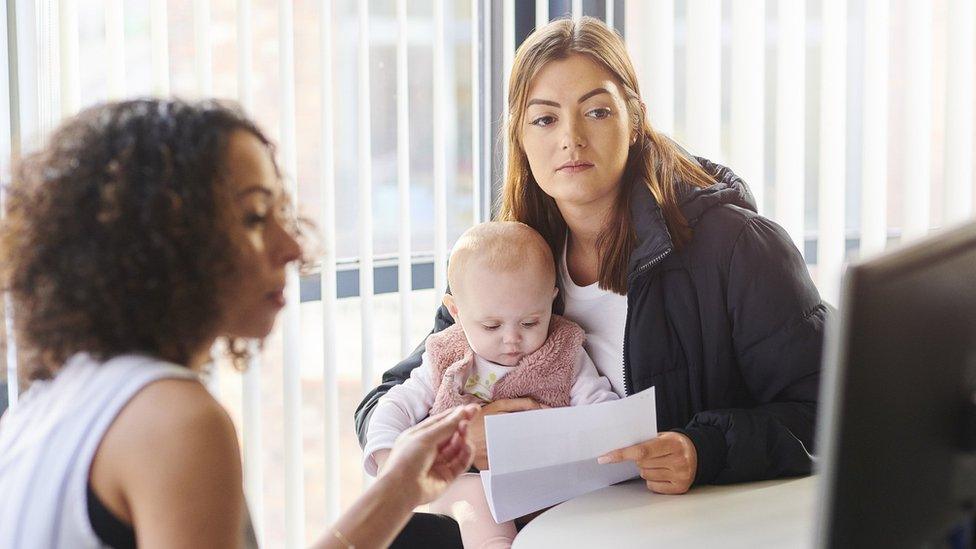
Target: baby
506	344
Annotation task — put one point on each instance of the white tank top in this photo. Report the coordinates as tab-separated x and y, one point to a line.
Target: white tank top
603	316
48	441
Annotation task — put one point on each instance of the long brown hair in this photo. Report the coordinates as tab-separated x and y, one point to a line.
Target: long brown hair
653	159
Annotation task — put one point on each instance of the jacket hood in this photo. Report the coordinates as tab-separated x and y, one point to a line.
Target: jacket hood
653	237
728	189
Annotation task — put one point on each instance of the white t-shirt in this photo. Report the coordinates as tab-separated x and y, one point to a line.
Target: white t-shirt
48	441
603	316
408	403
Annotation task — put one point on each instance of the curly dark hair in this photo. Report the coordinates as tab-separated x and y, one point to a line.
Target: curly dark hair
116	234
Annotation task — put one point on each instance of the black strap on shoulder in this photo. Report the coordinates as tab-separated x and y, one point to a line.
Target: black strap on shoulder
109	528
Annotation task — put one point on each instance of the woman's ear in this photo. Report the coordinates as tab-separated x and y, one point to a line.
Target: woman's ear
451	305
555	292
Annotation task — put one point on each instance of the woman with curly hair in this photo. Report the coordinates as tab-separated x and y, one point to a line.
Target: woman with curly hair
140	235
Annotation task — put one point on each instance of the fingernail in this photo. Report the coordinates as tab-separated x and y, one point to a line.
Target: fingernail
603	460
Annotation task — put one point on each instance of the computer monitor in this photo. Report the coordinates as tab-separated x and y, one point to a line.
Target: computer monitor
895	431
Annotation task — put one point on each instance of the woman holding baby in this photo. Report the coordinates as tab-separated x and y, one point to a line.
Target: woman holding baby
664	263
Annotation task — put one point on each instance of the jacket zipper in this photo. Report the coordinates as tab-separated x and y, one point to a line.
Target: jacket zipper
633	277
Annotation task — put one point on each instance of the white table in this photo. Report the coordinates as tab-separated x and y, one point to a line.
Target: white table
775	513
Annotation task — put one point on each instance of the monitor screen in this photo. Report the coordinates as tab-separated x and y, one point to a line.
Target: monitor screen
898	394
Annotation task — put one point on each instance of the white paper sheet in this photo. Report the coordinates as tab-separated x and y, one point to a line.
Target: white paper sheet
544	457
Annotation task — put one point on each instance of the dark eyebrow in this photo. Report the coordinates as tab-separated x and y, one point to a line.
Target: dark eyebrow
582	98
255	189
591	93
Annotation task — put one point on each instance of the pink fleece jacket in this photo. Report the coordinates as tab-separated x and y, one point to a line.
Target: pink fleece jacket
545	375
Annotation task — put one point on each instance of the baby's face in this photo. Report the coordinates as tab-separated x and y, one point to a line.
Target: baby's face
505	315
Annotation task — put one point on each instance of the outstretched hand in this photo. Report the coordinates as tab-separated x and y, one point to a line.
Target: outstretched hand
430	455
667	464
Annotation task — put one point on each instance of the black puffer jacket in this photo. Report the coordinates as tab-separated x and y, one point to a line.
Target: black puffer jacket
729	329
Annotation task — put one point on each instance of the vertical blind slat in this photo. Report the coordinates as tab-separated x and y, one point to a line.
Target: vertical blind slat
440	153
403	177
833	146
487	134
508	55
49	64
251	415
959	111
330	374
115	46
365	200
204	80
159	37
5	102
202	61
476	207
790	119
12	146
252	405
291	368
24	60
703	84
653	56
5	158
13	380
68	41
917	138
245	79
874	145
541	12
748	86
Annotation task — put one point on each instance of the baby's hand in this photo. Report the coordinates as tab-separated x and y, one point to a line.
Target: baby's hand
476	432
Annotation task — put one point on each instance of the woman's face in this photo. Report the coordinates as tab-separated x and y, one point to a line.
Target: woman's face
576	132
254	293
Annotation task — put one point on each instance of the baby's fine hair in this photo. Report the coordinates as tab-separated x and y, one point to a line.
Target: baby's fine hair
500	246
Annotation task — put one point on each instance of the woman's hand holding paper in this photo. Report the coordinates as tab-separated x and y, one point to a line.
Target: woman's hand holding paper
668	463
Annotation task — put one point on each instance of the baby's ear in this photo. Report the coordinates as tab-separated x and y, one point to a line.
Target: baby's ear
451	305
